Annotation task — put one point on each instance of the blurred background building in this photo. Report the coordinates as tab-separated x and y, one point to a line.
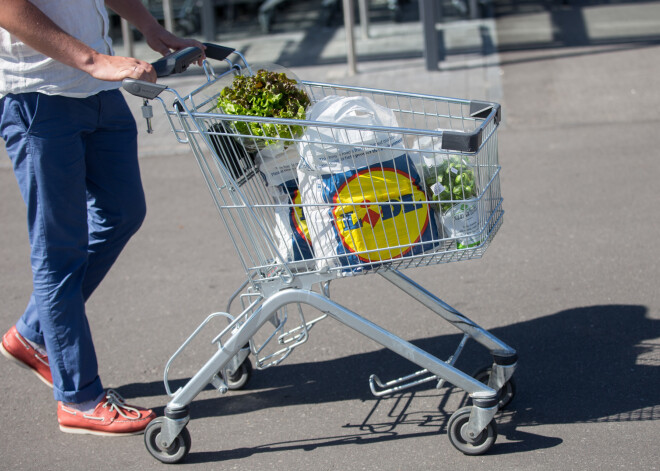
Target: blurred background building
313	32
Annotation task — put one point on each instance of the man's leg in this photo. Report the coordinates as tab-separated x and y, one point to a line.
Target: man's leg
74	160
116	205
43	138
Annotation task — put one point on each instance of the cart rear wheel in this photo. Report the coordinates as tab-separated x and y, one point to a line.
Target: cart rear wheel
508	391
171	454
457	432
241	376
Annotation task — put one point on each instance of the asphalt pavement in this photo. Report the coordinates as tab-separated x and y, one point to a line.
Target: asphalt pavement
570	281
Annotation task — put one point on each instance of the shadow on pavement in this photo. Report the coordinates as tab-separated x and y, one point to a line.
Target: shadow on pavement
588	364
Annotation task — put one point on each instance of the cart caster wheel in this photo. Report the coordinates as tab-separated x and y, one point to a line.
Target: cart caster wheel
240	377
508	391
172	454
457	432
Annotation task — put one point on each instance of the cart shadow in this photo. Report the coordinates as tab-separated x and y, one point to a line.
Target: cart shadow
591	364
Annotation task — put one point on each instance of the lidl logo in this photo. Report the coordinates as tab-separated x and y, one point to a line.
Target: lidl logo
297	217
378	213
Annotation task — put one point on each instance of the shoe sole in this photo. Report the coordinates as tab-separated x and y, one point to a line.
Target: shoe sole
85	431
12	358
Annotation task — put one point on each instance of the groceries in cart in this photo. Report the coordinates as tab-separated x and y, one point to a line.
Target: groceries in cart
271	92
363	198
278	166
450	180
360	197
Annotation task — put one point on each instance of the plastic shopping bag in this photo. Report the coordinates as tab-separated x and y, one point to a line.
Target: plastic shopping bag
448	178
278	167
362	195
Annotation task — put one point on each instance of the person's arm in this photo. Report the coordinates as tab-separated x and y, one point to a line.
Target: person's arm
28	23
157	37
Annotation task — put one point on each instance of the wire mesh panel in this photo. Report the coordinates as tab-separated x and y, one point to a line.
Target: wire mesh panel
321	195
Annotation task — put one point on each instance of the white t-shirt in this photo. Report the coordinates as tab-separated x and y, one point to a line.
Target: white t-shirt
22	69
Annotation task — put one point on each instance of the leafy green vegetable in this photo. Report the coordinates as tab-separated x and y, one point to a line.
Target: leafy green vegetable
267	94
452	180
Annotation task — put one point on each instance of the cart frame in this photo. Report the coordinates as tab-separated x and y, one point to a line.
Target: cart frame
273	282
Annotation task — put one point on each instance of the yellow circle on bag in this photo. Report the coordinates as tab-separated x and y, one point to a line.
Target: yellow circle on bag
378	214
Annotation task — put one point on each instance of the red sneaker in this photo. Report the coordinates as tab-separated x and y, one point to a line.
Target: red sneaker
17	349
112	416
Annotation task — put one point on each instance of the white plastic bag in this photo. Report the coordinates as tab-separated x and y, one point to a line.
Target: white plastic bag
278	166
327	150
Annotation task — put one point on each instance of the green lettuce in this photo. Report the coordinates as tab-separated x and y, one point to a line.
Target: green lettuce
265	94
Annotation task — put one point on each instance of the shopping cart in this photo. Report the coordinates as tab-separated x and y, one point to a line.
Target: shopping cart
382	219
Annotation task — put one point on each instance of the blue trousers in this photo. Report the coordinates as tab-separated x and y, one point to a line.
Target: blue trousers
75	160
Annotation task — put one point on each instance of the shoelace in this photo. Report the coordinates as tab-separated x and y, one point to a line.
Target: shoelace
116	402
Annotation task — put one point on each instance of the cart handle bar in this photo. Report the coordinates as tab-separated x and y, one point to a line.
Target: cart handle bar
174	63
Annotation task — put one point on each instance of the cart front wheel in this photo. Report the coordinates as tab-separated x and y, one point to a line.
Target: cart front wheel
171	454
508	391
457	432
